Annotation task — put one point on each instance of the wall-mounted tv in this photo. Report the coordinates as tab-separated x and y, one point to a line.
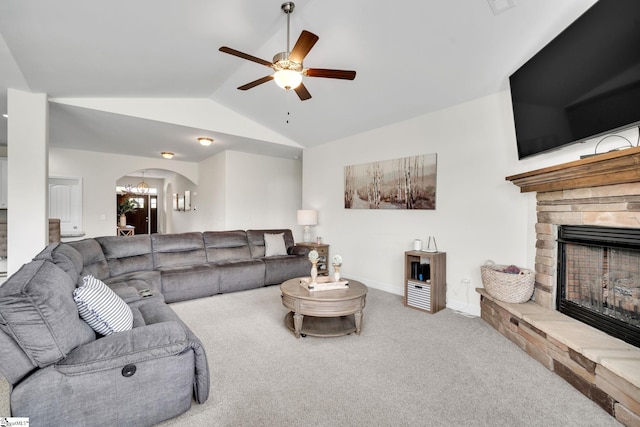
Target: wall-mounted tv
584	83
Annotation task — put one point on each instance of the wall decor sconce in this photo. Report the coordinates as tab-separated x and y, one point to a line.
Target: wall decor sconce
182	202
187	200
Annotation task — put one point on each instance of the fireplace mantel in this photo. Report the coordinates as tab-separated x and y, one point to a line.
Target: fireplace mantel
617	167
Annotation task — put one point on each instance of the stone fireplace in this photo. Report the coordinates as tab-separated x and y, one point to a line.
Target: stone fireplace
602	191
598	191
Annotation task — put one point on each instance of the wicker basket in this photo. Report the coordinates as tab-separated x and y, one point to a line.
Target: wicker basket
507	287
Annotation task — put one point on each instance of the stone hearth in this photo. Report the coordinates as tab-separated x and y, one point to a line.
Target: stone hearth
603	190
603	368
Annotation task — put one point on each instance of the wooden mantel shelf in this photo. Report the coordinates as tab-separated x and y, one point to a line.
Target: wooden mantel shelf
617	167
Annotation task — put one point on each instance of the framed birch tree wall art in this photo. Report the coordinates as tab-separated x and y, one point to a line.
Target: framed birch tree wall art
404	183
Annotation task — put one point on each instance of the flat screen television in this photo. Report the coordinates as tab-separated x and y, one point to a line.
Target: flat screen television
583	84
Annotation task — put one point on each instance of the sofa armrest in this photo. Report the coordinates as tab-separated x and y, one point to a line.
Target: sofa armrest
122	348
299	250
138	345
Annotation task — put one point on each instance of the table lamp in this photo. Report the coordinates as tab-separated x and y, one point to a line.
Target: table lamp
307	217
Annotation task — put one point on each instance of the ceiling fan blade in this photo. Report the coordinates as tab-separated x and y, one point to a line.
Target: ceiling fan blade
303	46
256	82
302	92
246	56
330	74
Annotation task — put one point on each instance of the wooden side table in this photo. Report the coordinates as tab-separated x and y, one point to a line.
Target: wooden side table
126	231
323	256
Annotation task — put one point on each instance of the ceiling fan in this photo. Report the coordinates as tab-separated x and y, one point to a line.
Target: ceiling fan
288	65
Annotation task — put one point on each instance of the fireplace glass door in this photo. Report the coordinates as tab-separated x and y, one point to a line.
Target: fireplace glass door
600	284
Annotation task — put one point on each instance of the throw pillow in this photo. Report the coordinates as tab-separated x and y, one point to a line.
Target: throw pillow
101	308
274	245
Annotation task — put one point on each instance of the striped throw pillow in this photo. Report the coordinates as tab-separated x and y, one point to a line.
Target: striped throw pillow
101	308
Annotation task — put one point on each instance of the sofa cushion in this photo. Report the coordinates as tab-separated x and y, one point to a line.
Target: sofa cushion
256	240
130	286
178	250
226	245
189	282
299	250
14	363
65	257
93	259
274	244
240	275
281	268
101	308
128	254
38	311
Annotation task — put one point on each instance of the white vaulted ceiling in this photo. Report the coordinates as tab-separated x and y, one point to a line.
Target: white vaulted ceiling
140	77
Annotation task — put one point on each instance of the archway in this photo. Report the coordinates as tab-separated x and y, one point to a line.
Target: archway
155	193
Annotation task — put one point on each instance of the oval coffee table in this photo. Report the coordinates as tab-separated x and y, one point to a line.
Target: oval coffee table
323	313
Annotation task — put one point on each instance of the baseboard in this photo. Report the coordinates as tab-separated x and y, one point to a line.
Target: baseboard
379	285
461	306
464	307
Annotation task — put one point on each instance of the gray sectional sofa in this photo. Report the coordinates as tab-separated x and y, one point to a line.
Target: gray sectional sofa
61	372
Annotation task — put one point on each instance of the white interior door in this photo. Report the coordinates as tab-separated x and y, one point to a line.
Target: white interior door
65	202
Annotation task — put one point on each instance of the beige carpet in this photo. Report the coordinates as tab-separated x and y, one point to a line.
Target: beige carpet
407	368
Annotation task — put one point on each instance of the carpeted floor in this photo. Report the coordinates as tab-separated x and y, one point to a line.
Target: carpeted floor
407	368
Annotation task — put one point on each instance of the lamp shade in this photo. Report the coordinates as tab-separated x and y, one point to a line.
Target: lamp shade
307	217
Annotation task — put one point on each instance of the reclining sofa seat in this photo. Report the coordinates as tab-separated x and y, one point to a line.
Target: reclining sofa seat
229	252
125	265
279	268
184	266
182	263
61	373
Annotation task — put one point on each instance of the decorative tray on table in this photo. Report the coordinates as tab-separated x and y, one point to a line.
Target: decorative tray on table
324	283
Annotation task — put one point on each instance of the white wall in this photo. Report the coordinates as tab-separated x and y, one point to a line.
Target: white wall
210	201
232	190
99	173
27	195
262	192
181	221
479	215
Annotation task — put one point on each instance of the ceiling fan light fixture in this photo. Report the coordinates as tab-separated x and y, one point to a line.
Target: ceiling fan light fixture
288	79
167	154
205	141
287	65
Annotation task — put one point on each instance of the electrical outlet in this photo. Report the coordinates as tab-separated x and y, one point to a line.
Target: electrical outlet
466	281
103	217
